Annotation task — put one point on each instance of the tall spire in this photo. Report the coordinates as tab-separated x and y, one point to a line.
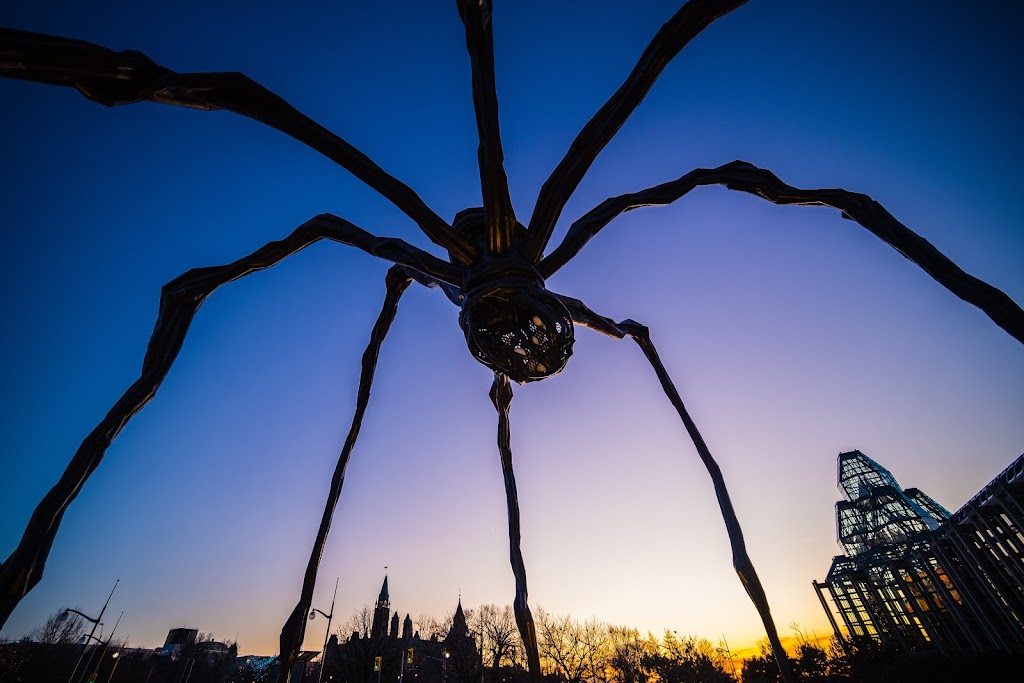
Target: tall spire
382	612
407	628
459	626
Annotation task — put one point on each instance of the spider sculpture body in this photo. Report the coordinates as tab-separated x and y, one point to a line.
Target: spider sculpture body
496	271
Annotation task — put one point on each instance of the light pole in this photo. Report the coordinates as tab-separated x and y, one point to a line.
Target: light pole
92	653
117	660
444	667
86	637
479	633
312	615
99	662
728	653
482	656
95	623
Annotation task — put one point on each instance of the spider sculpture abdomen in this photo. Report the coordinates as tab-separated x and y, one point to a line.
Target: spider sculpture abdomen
512	323
521	331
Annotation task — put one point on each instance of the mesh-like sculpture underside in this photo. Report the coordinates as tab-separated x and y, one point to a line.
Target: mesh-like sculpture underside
525	333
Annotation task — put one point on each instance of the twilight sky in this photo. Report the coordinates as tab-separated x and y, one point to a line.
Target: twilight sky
792	334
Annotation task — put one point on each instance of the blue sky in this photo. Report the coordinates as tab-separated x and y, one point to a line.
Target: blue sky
792	334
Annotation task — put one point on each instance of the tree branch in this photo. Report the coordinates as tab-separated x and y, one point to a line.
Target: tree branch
398	280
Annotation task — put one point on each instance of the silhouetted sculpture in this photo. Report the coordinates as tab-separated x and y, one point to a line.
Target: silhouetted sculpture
495	273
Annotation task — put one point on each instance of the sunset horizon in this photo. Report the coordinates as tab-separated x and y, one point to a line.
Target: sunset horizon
791	333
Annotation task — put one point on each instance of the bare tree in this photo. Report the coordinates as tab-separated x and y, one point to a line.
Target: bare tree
686	659
207	659
497	627
575	651
430	626
61	628
360	622
628	654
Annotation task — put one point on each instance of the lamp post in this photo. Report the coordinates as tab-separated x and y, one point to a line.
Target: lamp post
117	660
728	653
480	634
107	643
99	662
444	667
99	641
95	623
482	656
312	615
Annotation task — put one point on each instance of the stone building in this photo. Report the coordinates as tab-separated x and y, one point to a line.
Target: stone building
392	650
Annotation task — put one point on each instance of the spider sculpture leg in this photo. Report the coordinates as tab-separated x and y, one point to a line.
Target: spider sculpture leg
126	77
398	280
500	217
740	559
501	397
179	301
685	25
745	177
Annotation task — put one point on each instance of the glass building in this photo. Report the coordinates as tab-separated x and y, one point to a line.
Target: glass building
917	577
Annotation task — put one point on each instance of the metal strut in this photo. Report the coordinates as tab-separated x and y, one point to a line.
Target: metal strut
294	630
180	300
741	562
740	559
860	208
501	397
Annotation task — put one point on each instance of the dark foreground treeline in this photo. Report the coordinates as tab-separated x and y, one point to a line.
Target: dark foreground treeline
865	660
31	662
571	651
687	660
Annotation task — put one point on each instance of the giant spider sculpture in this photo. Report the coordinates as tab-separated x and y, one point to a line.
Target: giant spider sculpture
495	272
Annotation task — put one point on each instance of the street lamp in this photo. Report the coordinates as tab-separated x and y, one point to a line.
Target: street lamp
480	633
99	641
312	616
95	623
117	660
99	662
728	653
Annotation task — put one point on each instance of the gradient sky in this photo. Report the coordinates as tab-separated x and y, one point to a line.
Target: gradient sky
792	334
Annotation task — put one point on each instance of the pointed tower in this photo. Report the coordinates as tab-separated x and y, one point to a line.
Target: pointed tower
462	646
394	625
459	627
407	628
381	612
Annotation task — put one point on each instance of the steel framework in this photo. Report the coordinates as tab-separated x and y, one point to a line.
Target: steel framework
918	578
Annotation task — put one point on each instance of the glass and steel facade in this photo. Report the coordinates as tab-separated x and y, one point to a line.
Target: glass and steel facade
917	577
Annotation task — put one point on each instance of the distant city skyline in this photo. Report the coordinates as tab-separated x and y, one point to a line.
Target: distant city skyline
792	334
